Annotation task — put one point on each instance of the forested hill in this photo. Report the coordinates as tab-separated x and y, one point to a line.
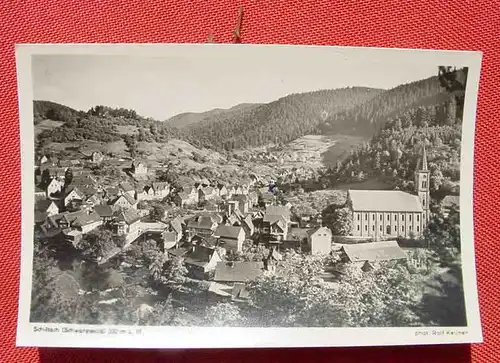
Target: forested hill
283	120
190	118
357	111
369	117
393	153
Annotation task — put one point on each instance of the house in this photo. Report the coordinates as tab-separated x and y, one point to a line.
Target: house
172	234
169	240
232	219
392	213
126	188
267	199
449	202
139	168
40	193
73	195
206	193
372	252
253	199
124	201
47	207
175	225
54	187
43	159
86	222
184	199
81	221
111	193
104	211
97	157
126	222
202	225
238	271
54	172
83	181
319	240
230	191
160	189
276	222
230	237
248	226
65	164
222	190
272	260
201	260
243	202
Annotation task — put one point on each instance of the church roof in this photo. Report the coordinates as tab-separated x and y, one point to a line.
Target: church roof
384	201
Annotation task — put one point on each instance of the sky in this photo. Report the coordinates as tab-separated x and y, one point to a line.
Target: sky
161	87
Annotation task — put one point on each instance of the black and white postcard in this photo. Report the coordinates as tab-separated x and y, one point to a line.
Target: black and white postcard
194	196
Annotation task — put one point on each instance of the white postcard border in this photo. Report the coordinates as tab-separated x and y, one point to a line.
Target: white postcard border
36	334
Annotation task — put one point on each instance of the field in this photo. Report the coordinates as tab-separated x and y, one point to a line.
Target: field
47	125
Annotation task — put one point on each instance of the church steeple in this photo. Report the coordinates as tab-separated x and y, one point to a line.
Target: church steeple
422	180
423	160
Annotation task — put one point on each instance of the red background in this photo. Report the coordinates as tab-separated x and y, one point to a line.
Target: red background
470	25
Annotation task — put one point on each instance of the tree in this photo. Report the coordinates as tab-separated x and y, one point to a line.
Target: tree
175	272
387	296
223	314
157	213
295	297
436	179
449	78
97	243
445	307
131	143
342	222
451	111
156	267
150	250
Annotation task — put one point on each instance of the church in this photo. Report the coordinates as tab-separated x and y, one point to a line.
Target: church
392	213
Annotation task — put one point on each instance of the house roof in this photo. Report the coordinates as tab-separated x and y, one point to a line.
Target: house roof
176	224
374	251
42	205
201	222
159	185
74	190
277	210
238	271
200	256
228	231
267	196
170	237
128	216
136	164
103	210
84	219
88	190
40	216
112	191
127	197
240	197
204	241
384	201
207	190
126	187
178	252
320	230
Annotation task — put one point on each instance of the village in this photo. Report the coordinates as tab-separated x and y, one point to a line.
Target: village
208	225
